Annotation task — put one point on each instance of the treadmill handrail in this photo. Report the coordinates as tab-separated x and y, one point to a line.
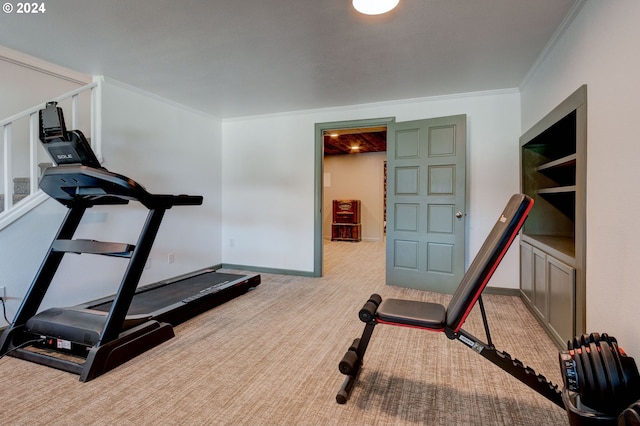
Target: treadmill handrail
82	185
80	246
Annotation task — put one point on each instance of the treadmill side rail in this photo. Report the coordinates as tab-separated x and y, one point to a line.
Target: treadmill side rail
130	344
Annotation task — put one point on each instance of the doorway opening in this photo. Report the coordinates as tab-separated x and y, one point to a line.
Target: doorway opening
350	158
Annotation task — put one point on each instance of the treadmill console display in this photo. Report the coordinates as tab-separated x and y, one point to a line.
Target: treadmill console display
64	147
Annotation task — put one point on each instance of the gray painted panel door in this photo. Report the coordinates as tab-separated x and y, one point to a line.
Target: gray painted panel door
426	162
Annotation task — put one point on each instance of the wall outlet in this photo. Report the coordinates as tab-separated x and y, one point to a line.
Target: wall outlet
171	258
3	293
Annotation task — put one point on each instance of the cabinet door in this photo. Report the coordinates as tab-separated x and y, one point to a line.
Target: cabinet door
540	281
526	271
561	282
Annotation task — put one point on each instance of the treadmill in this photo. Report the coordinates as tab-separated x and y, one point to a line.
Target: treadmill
95	337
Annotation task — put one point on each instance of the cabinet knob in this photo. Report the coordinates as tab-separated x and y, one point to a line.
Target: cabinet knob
459	215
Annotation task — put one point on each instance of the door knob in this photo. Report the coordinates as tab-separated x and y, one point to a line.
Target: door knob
459	215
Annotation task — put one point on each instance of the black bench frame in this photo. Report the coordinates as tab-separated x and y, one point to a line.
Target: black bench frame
435	317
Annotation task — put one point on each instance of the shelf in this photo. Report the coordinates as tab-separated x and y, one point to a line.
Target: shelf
569	160
553	255
558	190
562	248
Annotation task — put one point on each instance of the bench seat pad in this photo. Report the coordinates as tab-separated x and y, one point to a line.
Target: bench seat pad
412	313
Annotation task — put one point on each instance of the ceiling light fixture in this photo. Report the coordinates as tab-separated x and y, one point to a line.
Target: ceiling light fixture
374	7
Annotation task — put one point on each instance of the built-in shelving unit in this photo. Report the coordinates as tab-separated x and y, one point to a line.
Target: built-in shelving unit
552	255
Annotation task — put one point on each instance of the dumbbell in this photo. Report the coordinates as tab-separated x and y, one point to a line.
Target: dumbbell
630	416
606	379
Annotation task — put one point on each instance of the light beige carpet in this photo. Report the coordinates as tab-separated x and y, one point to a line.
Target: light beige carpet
270	357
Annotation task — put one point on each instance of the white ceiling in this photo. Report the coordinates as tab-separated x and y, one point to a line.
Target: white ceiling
245	57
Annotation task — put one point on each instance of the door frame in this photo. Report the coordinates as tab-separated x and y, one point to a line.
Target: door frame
319	178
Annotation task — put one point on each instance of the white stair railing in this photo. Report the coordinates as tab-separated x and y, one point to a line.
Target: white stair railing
30	118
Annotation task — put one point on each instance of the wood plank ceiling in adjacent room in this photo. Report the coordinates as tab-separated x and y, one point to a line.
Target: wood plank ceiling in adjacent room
355	141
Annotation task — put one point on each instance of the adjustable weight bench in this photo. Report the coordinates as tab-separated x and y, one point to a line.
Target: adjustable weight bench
435	317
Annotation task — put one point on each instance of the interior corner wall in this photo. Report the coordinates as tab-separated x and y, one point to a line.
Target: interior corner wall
269	183
596	49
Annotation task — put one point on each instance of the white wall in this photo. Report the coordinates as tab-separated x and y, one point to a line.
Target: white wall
356	176
169	150
268	176
600	49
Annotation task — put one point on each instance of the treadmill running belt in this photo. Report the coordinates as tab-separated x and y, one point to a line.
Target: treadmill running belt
158	297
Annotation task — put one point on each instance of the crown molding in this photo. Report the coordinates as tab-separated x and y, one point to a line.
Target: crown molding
557	35
23	60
